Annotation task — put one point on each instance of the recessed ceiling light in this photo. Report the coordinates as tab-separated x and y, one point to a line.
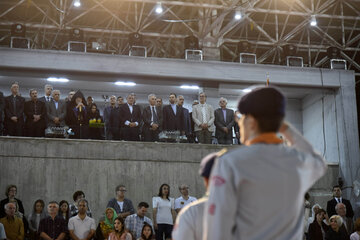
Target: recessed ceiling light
55	79
189	87
246	90
158	8
77	3
120	83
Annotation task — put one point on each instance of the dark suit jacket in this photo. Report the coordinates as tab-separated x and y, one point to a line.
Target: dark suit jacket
220	122
187	121
126	115
9	108
29	110
172	122
52	113
42	99
127	207
330	208
146	117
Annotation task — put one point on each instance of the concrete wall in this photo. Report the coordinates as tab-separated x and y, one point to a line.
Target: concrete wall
53	169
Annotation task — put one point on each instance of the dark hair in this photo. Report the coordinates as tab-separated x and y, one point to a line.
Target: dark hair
119	97
118	187
122	224
320	211
78	193
160	191
38	201
67	212
307	196
172	94
8	189
357	225
93	104
142	230
269	124
143	204
336	186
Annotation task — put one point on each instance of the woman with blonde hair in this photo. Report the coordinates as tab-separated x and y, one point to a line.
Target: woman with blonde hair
336	231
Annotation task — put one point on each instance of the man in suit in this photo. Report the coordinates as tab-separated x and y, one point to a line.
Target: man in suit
35	112
224	122
112	120
203	116
348	223
173	116
187	121
47	98
152	118
14	112
330	208
131	119
56	111
2	106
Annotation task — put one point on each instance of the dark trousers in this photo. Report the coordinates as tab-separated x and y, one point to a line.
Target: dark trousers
81	132
14	128
150	135
164	229
131	134
35	129
112	133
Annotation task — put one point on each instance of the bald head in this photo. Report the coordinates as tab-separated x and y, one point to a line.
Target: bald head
340	209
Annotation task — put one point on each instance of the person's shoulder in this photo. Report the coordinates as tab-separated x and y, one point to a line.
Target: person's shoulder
191	209
127	200
178	199
192	198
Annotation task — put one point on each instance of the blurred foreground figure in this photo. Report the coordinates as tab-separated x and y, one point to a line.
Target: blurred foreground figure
257	191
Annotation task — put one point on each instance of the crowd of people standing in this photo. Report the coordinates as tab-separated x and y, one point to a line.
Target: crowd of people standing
121	120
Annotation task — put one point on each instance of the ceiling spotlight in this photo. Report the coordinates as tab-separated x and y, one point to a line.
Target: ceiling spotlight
129	84
55	79
237	15
313	21
158	8
194	87
77	3
246	90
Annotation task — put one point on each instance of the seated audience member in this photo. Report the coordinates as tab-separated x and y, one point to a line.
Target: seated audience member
189	223
184	199
2	232
73	208
77	113
147	233
81	226
356	234
54	226
64	210
348	224
35	112
119	233
56	111
130	115
152	118
311	219
112	120
122	205
11	191
336	232
106	226
94	114
330	208
163	213
224	122
134	223
318	228
14	227
14	112
38	213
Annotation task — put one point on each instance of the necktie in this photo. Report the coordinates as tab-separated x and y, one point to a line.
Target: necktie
14	103
155	118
